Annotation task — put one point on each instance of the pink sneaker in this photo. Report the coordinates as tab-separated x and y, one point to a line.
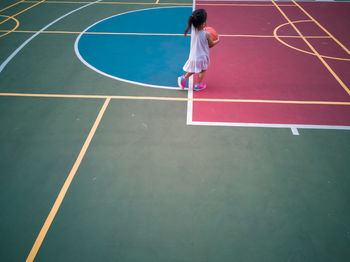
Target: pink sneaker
199	87
182	81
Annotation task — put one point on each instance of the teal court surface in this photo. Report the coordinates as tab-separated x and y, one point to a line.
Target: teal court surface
103	158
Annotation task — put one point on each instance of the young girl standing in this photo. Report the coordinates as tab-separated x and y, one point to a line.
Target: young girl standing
198	61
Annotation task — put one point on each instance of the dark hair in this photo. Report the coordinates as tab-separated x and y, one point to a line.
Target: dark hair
197	18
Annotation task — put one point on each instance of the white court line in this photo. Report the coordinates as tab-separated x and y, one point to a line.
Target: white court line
295	131
293	127
3	65
190	102
190	84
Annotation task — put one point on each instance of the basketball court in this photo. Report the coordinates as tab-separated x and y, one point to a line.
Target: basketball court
104	158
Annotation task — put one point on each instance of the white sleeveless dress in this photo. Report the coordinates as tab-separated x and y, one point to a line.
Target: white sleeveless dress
199	55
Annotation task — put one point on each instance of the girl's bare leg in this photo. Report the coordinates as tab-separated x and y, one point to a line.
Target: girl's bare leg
188	75
200	77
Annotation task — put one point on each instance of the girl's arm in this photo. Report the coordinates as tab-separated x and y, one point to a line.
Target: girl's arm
211	41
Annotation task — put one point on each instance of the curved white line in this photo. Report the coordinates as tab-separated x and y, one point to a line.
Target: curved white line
115	77
3	65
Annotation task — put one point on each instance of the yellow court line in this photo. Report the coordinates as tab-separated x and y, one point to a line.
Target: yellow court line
12	16
313	49
180	99
90	33
272	36
152	3
13	29
155	34
11	6
324	29
112	3
65	186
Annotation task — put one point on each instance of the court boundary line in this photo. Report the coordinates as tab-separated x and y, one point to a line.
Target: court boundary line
41	236
190	101
294	127
189	111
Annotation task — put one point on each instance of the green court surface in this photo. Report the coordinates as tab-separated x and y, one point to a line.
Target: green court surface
133	182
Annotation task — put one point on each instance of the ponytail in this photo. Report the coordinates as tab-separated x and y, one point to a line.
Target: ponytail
197	19
189	23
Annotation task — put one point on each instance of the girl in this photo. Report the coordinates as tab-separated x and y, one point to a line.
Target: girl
198	61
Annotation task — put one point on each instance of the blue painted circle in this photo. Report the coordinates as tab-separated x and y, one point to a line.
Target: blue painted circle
143	59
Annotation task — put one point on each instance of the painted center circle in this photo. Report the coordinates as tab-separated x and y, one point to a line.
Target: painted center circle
145	47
